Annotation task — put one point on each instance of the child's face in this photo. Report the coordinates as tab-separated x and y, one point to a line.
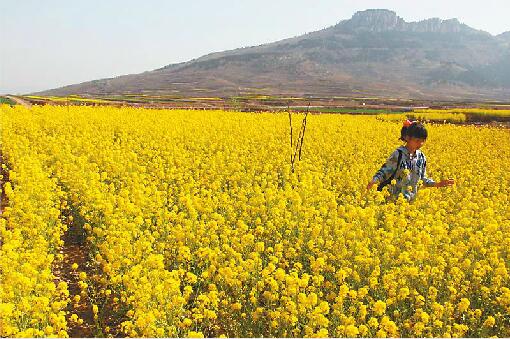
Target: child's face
415	143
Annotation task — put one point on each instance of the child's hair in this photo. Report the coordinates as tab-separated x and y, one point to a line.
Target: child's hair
413	129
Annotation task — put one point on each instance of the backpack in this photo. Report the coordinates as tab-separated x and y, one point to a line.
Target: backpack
387	181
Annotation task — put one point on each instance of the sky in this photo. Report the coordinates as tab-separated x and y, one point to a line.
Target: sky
53	43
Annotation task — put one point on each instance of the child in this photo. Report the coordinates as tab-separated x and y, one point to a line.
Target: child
407	165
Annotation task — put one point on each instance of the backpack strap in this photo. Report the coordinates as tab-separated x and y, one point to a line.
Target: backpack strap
392	176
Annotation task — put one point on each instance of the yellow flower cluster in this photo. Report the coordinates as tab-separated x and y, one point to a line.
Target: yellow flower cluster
31	303
201	228
476	111
425	115
65	100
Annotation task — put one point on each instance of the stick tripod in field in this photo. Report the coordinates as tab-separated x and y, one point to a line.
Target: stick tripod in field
295	150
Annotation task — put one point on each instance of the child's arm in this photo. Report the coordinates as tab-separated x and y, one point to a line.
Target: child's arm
428	182
385	171
444	183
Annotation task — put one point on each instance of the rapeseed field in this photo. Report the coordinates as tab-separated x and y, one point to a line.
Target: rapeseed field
197	226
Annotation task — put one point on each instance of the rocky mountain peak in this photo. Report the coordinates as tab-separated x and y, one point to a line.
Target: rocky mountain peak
382	20
376	20
504	36
437	25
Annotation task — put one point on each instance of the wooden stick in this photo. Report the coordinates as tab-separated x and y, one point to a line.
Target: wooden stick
304	129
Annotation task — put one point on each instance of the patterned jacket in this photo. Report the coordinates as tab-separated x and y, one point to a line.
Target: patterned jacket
410	170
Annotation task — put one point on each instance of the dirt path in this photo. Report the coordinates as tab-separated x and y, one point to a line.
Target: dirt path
3	179
76	252
19	101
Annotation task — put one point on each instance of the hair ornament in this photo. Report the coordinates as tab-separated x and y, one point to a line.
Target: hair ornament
408	123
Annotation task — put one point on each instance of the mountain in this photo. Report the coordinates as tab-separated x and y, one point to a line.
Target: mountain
374	53
504	38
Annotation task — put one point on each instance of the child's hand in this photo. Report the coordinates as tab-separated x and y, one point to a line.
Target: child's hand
444	183
370	184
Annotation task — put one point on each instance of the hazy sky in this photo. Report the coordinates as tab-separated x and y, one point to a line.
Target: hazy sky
52	43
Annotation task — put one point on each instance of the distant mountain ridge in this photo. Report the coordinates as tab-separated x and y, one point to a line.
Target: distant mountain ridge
374	53
380	20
